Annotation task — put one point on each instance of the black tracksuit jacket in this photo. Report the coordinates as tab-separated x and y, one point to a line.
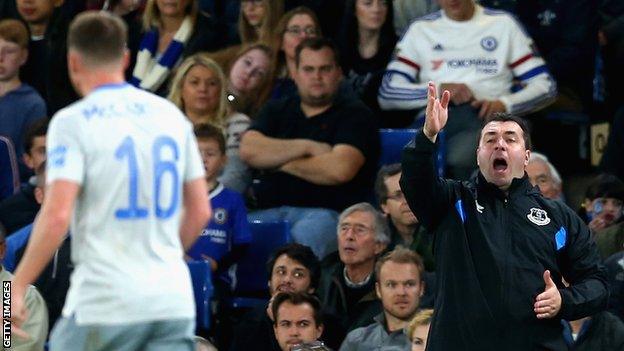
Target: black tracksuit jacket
491	250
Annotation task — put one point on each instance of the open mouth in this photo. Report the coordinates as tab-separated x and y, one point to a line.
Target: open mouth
609	218
28	12
349	250
285	288
500	164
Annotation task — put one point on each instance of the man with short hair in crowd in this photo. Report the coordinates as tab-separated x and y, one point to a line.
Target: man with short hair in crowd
292	268
316	152
603	209
297	319
404	226
347	286
544	175
400	285
20	209
53	283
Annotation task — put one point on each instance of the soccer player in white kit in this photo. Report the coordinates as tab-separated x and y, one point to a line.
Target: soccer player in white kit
124	168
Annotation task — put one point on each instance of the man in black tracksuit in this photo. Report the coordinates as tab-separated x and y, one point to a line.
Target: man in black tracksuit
500	248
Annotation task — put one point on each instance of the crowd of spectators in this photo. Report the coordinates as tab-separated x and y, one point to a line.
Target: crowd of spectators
287	99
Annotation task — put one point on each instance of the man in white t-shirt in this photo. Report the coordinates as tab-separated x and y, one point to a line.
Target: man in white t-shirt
124	167
478	55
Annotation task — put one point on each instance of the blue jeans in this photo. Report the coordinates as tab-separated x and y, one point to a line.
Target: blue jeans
313	227
162	335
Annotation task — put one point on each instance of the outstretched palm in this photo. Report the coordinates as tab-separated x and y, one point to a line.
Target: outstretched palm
436	113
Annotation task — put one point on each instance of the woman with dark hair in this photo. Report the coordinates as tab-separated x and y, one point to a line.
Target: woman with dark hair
367	42
258	18
295	26
174	29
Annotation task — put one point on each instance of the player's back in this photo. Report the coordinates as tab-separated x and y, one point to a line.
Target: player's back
131	152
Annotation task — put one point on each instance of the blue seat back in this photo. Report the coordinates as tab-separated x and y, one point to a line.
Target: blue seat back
251	274
394	140
203	290
392	143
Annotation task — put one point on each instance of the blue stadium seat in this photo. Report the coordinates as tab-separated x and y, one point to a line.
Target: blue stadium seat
251	275
201	275
9	171
394	140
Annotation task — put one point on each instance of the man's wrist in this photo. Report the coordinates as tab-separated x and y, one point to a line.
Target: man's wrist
431	136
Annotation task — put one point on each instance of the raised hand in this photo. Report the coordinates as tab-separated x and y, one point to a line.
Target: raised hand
436	113
548	303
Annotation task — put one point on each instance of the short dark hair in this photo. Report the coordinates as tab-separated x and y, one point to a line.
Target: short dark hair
15	32
37	128
507	117
207	131
381	190
99	36
401	255
316	44
298	298
605	185
302	254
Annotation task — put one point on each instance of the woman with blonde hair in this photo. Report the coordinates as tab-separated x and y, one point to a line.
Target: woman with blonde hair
418	329
199	90
174	29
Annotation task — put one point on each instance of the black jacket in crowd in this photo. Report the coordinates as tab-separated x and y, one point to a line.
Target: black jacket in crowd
20	209
491	250
255	332
334	297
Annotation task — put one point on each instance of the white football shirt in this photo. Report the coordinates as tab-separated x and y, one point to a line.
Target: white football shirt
131	152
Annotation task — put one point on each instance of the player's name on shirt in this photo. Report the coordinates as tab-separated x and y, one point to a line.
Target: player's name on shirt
134	109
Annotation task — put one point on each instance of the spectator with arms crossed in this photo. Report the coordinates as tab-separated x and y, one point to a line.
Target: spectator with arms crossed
317	152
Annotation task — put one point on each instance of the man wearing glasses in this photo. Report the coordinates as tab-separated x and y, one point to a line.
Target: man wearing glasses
404	226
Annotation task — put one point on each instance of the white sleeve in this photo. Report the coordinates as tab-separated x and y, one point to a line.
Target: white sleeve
399	87
65	150
194	166
539	88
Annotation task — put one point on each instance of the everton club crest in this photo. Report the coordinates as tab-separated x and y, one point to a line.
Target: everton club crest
538	216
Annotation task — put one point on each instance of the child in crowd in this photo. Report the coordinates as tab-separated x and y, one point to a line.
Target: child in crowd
20	105
227	235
